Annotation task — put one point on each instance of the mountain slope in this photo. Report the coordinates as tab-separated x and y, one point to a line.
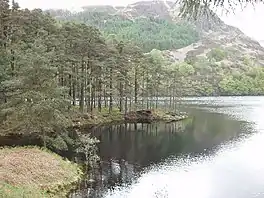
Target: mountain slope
147	24
152	20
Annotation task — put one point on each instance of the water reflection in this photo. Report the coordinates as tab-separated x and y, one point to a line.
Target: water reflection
127	150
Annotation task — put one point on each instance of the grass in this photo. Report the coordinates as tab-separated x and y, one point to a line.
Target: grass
32	172
103	117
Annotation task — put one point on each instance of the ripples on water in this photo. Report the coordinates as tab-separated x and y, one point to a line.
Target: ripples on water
236	170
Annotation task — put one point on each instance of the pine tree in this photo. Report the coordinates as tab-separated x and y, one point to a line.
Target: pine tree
35	101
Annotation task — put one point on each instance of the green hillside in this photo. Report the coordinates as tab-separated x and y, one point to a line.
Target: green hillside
146	32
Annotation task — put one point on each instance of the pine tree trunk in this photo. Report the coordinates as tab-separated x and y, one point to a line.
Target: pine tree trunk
100	95
121	97
130	103
105	97
82	87
173	98
126	98
94	97
136	88
111	91
70	85
170	99
88	85
126	103
143	89
74	86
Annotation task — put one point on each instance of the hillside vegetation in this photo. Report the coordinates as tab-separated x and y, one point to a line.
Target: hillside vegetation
146	32
213	74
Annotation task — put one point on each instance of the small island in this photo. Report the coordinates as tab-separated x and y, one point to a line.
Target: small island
96	119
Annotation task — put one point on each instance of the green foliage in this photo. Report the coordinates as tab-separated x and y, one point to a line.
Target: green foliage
57	143
206	77
87	145
186	69
147	33
216	54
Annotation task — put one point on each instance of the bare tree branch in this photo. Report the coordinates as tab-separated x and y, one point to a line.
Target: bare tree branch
194	8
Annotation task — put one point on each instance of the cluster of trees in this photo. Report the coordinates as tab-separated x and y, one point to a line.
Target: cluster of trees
145	32
50	69
214	75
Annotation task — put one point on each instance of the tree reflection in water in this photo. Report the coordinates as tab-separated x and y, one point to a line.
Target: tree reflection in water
128	149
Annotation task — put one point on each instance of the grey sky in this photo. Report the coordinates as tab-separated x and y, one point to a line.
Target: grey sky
70	3
249	20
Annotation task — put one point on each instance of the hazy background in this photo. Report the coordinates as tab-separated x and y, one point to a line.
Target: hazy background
250	20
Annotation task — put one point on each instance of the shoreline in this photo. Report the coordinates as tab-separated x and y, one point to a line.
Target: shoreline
97	119
83	123
32	171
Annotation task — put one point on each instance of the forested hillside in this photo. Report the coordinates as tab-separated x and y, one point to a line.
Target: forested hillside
147	32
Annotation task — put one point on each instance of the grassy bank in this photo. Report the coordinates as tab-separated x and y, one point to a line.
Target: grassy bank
35	173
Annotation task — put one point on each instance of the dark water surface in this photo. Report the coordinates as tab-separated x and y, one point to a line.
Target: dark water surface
215	154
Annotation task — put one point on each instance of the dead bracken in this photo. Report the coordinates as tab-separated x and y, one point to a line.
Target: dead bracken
33	171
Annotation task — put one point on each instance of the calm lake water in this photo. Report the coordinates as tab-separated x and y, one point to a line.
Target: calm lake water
216	154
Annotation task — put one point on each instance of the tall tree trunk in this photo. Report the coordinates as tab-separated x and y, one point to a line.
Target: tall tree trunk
136	87
74	85
173	98
111	91
100	95
82	86
143	89
94	95
121	96
126	98
126	105
88	87
70	85
77	83
105	97
171	95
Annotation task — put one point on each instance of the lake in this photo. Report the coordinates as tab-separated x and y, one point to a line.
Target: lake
217	153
